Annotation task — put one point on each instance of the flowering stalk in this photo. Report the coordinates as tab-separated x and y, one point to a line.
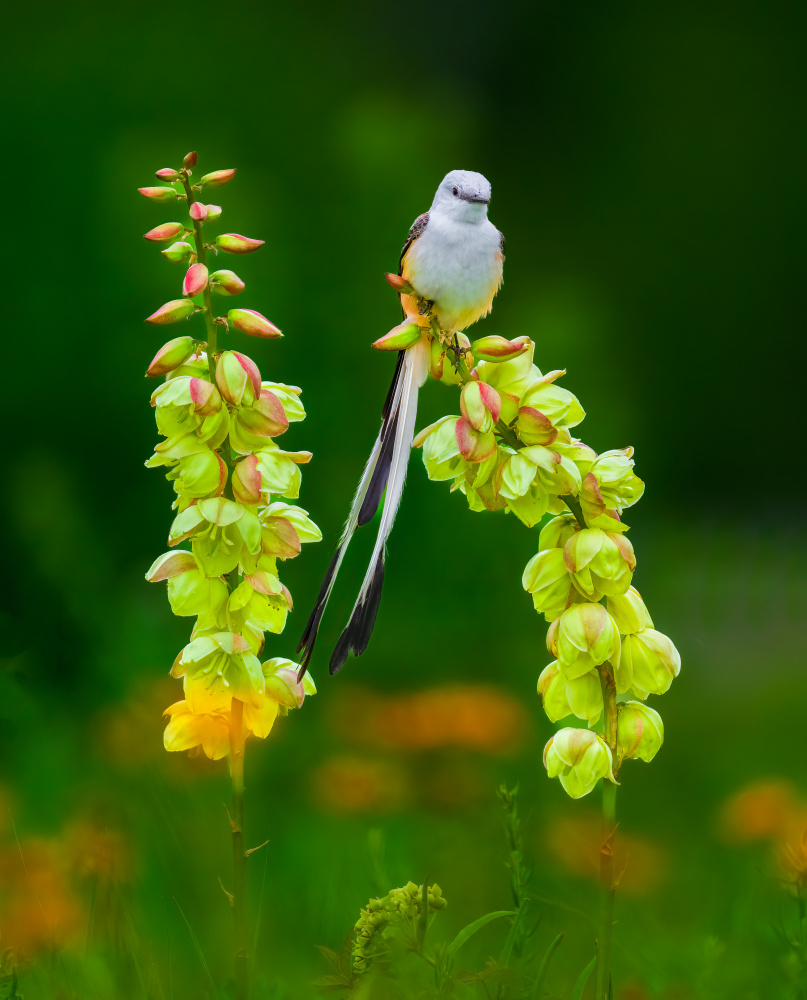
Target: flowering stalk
219	419
511	449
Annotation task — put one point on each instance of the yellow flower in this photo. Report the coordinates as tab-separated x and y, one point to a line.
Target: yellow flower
187	730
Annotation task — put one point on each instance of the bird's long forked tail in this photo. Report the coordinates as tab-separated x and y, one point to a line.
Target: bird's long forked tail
385	468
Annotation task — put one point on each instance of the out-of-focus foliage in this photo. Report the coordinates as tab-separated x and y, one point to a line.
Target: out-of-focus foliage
647	165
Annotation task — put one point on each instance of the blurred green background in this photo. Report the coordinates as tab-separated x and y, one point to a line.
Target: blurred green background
647	163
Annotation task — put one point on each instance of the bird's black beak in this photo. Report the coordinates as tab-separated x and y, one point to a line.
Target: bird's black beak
475	199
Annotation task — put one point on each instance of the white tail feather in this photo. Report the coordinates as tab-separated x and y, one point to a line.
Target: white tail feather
405	404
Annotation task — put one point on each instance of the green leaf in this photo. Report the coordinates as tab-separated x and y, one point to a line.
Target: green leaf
582	979
507	950
472	928
550	951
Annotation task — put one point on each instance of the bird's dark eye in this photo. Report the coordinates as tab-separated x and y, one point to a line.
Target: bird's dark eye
455	191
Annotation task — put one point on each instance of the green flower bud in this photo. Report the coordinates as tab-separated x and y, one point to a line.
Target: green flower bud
165	233
171	355
480	405
649	662
159	193
602	562
400	337
172	312
579	758
235	243
217	178
497	349
226	283
178	252
584	637
640	731
555	474
629	612
238	378
253	323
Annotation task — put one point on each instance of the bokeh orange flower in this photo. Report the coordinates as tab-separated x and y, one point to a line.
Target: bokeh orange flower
466	716
575	842
349	784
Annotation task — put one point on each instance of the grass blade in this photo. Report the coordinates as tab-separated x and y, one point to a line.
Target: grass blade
471	929
507	950
542	971
582	979
200	953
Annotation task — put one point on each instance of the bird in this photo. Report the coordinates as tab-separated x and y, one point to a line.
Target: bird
452	261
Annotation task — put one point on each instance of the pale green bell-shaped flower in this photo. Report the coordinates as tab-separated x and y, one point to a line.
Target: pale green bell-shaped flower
584	637
601	562
629	612
217	668
579	758
640	731
650	661
616	482
558	531
545	577
561	697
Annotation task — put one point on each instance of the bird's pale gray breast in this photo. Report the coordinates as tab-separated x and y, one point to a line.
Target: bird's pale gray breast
455	263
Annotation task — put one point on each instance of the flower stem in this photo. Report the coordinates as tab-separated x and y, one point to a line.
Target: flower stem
201	257
607	880
239	855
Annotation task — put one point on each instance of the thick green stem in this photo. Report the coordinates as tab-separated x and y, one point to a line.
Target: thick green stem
607	877
201	257
239	854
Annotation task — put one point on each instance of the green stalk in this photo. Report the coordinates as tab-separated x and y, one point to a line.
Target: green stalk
607	879
239	854
201	257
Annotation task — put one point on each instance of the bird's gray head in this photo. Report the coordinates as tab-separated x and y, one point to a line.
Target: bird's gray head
464	195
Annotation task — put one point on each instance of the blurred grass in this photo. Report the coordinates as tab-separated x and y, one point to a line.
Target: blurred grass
647	167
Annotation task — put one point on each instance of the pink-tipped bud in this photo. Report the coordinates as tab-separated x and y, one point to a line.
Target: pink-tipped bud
247	481
165	233
498	348
198	211
474	446
178	252
195	280
238	378
213	212
400	337
480	403
217	178
226	283
234	243
167	174
190	160
171	355
172	312
253	323
159	193
398	283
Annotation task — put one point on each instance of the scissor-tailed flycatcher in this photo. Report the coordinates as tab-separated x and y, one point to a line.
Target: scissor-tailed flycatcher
453	261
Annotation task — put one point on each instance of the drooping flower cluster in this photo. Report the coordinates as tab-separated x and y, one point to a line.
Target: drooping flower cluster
219	421
393	917
512	448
